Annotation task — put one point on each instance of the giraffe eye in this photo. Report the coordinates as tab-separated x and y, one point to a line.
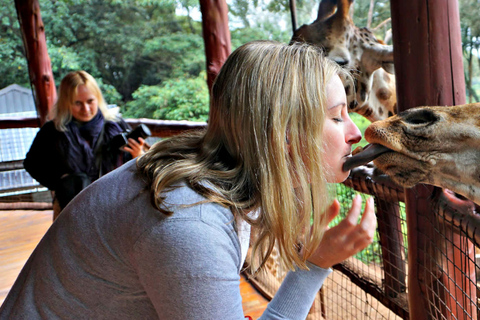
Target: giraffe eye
422	116
342	63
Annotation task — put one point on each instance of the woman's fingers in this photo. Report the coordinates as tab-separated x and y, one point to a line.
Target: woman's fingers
364	232
333	211
354	211
135	148
347	238
369	219
351	219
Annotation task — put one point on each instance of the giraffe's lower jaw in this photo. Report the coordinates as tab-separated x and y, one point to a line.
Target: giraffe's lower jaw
404	170
369	153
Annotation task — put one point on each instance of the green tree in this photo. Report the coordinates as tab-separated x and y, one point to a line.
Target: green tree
176	99
470	25
125	43
13	65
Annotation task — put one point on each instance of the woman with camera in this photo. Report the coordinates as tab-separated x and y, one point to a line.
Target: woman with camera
74	148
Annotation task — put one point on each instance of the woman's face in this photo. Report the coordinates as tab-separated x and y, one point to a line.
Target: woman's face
85	104
339	132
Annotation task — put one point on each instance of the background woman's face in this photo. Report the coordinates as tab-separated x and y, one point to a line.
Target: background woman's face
339	132
85	104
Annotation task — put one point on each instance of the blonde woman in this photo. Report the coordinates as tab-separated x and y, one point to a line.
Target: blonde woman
73	149
166	237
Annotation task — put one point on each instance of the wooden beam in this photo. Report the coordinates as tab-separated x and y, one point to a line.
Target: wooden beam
39	66
167	128
216	36
17	122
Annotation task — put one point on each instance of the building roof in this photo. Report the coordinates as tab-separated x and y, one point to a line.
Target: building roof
16	101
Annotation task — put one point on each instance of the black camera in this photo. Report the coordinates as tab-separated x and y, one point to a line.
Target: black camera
121	139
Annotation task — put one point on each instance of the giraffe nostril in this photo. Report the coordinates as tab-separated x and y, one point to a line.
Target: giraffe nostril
422	116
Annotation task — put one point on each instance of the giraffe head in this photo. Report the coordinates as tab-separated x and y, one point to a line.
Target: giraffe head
434	145
369	59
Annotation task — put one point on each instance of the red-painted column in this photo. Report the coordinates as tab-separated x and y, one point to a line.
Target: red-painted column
39	66
216	36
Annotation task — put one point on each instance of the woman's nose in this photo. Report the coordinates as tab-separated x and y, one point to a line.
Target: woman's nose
353	134
85	107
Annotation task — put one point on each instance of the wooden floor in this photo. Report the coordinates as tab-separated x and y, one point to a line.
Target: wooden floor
21	230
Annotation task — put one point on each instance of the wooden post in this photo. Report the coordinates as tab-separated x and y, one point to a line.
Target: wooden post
429	71
39	67
216	36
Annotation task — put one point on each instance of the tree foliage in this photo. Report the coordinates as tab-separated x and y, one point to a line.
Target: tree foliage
176	99
124	44
470	25
13	65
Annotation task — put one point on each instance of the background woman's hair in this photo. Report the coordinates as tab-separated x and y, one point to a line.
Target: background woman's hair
62	110
265	93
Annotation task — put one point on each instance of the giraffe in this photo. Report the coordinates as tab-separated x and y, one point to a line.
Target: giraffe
433	145
439	146
373	93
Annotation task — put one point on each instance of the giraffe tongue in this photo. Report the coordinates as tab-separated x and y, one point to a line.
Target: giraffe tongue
369	153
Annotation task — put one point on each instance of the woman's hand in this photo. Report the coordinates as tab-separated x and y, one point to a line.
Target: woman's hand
348	237
135	148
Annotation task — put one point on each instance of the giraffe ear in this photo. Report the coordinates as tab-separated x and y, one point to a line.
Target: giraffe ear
389	67
326	9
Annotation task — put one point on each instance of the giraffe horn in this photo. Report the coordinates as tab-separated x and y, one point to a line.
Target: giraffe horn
379	52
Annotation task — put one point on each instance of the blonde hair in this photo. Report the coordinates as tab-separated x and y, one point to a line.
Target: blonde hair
62	110
265	94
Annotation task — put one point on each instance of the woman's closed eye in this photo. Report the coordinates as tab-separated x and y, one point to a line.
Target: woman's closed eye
337	112
337	119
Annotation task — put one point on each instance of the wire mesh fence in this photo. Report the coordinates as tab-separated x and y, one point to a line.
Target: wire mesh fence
370	285
448	269
374	283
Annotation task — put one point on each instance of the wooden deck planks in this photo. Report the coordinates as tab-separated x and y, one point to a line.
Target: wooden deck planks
21	230
253	302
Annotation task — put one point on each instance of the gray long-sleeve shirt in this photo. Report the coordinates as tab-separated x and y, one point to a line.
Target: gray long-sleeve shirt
111	255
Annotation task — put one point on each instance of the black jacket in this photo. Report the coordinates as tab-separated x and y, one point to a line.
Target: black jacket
46	160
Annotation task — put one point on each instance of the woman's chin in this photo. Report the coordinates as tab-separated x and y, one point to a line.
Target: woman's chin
338	177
